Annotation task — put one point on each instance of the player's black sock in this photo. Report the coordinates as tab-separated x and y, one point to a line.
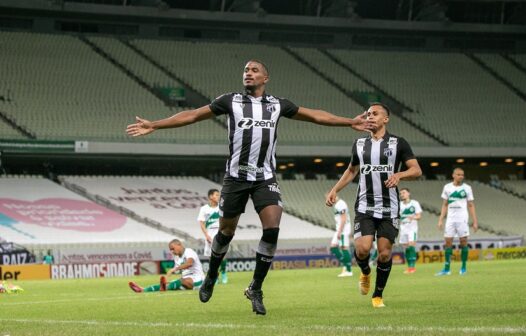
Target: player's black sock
265	254
382	274
219	250
363	263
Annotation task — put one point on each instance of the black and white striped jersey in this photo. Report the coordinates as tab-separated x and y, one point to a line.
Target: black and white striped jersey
379	159
252	133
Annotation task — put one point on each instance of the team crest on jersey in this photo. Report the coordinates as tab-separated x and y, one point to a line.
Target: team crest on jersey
360	142
388	151
392	141
272	99
237	98
271	108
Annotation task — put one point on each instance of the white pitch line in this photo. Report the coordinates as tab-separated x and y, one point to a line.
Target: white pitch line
129	297
324	328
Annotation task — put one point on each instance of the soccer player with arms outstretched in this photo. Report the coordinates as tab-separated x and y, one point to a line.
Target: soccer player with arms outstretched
253	117
377	158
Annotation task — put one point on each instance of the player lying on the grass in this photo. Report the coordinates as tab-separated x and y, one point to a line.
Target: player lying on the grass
186	261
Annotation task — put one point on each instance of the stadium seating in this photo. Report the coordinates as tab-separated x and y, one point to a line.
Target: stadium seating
351	83
133	61
505	69
448	92
8	132
174	202
517	186
37	212
196	65
61	89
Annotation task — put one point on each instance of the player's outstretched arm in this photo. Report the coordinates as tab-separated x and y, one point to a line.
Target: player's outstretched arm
145	127
412	172
320	117
346	178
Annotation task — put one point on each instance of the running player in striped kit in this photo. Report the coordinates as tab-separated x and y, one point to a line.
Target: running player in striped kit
253	117
377	158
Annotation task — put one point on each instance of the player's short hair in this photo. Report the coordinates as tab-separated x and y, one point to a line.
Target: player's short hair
212	191
265	67
457	168
385	107
404	188
175	241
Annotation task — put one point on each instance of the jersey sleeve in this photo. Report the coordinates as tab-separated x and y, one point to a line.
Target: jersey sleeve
192	254
201	217
444	193
406	152
418	208
355	160
288	108
341	207
222	104
470	194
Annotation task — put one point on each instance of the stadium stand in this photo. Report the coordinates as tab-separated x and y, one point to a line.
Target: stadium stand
351	83
8	132
445	90
61	89
517	186
289	78
305	198
37	212
134	62
174	202
519	58
505	69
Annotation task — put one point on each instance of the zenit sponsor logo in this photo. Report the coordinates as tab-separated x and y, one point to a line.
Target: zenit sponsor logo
367	169
248	123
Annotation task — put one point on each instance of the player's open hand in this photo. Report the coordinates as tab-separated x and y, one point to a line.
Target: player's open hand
440	224
475	226
141	127
361	123
330	199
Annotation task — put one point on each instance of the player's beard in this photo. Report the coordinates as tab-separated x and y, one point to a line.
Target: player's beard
250	88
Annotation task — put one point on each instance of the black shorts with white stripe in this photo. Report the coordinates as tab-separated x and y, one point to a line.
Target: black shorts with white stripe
365	225
235	193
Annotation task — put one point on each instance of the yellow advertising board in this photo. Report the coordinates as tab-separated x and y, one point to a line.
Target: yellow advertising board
25	272
426	257
508	253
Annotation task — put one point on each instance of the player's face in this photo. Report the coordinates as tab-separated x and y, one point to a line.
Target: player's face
404	195
458	176
214	197
254	75
377	117
176	249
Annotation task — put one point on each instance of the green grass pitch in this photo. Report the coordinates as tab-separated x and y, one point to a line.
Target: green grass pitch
490	299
